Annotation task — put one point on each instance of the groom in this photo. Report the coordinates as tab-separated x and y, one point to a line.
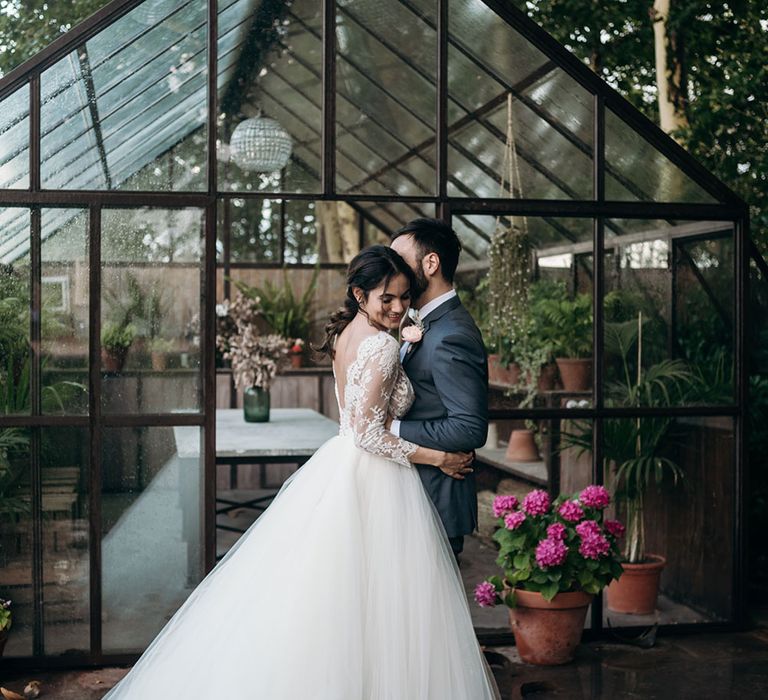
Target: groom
448	368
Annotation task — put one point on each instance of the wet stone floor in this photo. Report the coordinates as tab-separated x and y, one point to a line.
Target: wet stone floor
733	665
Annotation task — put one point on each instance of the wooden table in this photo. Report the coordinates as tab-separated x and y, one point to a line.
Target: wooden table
291	436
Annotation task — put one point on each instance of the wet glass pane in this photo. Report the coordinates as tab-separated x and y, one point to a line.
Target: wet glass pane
64	295
635	170
128	110
270	68
540	141
689	523
16	537
151	530
15	299
385	104
66	547
669	309
14	134
150	280
537	330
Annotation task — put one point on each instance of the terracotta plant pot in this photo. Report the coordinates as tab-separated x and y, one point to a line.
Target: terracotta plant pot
296	360
522	447
637	589
113	360
499	374
576	373
547	377
159	361
547	632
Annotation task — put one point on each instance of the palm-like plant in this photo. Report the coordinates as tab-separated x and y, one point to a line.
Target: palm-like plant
565	324
634	446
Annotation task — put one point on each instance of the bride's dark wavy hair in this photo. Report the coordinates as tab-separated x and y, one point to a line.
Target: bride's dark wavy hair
370	268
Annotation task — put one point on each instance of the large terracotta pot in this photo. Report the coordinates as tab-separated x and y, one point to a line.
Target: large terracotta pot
113	360
547	632
637	590
159	361
499	374
522	447
547	377
576	373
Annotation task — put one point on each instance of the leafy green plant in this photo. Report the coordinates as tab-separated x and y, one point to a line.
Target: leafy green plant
565	325
6	618
634	447
286	313
116	338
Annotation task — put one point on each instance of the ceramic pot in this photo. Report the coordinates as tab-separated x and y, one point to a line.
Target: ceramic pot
296	360
548	632
637	589
500	374
547	377
159	361
522	447
113	360
256	405
576	373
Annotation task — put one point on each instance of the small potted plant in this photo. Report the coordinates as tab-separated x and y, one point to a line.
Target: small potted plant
255	358
6	619
297	353
555	556
159	349
566	325
116	340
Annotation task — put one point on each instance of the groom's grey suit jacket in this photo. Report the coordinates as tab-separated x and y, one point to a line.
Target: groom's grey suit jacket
449	372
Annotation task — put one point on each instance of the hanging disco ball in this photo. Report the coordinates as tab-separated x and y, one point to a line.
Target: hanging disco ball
260	144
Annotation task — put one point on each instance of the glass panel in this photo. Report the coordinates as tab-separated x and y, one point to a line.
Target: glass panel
538	331
669	305
16	537
15	301
66	547
541	141
635	170
270	67
385	100
64	331
130	108
690	523
14	134
151	272
151	542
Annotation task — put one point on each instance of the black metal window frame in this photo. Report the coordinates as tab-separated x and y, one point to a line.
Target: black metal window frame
728	208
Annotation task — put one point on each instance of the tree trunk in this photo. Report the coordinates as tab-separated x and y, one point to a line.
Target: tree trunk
670	76
337	231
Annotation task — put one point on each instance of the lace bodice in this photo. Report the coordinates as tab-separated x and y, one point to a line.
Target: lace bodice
376	386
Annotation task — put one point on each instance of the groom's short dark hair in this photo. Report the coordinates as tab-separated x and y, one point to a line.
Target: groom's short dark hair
434	236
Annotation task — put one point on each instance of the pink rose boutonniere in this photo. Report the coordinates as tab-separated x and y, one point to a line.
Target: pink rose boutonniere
415	332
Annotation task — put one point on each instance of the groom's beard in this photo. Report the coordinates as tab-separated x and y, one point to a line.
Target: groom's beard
421	283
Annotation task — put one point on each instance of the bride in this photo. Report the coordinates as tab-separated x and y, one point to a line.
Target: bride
346	587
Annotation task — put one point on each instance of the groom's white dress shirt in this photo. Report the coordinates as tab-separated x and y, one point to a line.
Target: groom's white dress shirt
424	311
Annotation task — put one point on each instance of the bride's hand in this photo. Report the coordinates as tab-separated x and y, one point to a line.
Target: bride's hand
456	464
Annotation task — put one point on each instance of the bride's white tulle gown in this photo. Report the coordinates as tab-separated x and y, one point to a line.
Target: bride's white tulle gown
344	589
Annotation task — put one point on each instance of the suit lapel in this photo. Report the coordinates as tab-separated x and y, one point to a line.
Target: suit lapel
432	318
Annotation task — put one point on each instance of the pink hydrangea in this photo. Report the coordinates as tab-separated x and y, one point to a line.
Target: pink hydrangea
551	552
514	520
536	502
503	505
594	546
571	511
485	594
595	497
556	531
588	528
614	527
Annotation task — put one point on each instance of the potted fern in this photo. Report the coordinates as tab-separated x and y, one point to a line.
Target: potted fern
634	457
116	339
566	325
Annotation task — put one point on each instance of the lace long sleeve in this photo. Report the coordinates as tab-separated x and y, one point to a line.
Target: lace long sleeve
377	373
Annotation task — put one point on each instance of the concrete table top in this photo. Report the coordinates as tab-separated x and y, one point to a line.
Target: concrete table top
290	432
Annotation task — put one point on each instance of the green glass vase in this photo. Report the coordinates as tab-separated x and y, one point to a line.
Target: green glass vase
256	405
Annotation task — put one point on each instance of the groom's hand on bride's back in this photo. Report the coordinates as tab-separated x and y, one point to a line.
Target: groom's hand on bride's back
457	464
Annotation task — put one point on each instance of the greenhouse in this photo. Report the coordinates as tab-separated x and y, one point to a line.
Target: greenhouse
166	154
